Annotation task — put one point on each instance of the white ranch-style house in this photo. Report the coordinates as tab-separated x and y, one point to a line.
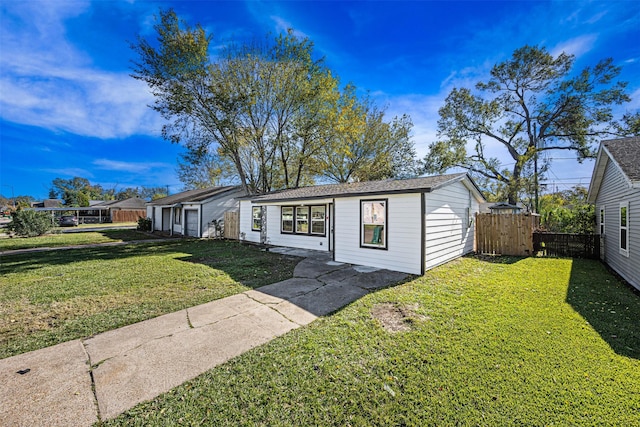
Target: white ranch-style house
406	225
192	213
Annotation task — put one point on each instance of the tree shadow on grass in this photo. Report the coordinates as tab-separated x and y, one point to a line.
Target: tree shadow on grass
610	306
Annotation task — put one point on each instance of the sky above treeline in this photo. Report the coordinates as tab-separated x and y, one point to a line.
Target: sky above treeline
69	107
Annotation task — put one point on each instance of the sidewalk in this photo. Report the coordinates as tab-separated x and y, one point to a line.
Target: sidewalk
80	382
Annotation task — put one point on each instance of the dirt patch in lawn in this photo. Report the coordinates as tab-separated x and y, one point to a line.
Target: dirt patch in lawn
396	317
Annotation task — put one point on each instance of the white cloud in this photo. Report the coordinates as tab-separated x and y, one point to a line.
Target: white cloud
70	172
132	167
576	46
47	82
282	25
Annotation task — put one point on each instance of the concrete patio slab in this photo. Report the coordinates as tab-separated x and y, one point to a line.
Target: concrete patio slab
56	391
218	310
158	365
291	288
329	298
112	343
313	267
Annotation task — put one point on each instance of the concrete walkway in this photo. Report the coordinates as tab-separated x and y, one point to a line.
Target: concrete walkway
80	382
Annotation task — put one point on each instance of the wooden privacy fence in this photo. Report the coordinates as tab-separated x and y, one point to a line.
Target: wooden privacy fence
505	234
569	245
127	216
231	225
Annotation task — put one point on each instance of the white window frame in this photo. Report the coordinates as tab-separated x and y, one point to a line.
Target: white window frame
255	209
177	216
292	219
623	228
318	220
602	221
366	221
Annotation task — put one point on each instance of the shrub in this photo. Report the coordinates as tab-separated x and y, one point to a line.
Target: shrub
144	224
30	223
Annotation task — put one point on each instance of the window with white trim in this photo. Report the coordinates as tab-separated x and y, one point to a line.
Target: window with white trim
177	216
287	219
303	220
317	220
373	224
256	218
624	228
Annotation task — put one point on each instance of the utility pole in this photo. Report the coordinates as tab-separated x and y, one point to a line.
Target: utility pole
13	197
535	167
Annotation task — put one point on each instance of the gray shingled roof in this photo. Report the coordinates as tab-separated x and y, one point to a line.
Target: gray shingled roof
626	152
389	186
193	195
130	203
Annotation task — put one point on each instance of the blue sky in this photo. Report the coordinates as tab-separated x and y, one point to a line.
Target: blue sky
68	106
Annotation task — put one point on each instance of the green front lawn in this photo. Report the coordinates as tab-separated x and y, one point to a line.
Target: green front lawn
51	297
71	239
495	342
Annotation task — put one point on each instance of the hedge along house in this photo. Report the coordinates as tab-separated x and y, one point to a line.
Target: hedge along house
408	225
193	213
615	191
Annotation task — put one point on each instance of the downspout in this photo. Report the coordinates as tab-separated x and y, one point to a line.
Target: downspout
423	230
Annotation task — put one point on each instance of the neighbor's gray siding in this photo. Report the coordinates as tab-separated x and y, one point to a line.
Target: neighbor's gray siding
615	189
214	209
447	232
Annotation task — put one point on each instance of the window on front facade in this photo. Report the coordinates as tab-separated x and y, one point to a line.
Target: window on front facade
302	219
256	218
317	219
373	223
602	221
177	215
624	228
287	219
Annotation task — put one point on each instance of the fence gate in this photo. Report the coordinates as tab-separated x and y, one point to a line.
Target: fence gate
231	225
505	234
566	244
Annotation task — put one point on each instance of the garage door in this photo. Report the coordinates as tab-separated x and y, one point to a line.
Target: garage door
191	222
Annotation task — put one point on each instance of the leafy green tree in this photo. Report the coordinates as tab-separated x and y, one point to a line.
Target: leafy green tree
567	212
29	223
266	108
362	146
532	103
76	191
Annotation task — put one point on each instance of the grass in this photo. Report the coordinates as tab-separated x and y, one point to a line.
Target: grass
71	239
51	297
507	341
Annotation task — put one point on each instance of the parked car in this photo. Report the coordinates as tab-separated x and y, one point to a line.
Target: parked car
68	221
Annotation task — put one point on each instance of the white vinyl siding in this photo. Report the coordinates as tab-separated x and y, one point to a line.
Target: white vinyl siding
245	222
449	228
404	226
214	209
615	189
304	241
624	228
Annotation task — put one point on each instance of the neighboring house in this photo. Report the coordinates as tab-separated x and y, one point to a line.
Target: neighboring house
126	210
501	208
615	191
47	203
192	213
408	225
